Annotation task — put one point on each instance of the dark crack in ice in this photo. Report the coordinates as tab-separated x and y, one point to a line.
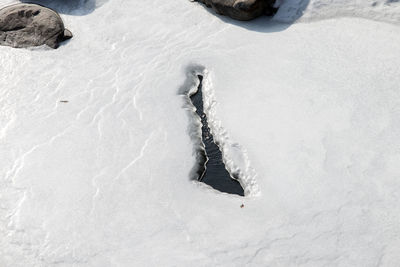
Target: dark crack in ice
213	172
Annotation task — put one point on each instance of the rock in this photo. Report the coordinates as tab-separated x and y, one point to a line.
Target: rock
27	25
241	9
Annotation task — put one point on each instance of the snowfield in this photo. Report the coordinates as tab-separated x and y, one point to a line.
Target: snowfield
96	152
311	10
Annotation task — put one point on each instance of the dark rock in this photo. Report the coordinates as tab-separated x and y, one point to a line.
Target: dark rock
242	9
27	25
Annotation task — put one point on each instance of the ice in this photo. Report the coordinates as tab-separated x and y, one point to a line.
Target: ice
104	180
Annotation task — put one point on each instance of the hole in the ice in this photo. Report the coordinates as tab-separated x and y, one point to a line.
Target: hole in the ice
212	169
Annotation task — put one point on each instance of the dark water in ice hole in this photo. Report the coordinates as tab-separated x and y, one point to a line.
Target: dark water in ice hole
214	173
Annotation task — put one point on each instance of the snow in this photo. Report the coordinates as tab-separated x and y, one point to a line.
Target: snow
104	180
312	10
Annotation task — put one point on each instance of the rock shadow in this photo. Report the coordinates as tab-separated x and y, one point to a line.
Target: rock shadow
69	7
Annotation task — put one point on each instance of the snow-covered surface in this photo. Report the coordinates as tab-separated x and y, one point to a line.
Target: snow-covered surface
103	180
311	10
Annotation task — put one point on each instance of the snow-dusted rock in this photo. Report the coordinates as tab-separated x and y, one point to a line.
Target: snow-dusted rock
26	25
241	9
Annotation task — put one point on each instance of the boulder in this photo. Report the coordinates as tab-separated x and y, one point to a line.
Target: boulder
27	25
241	9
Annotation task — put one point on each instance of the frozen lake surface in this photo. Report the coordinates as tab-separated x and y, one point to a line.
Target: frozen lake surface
307	113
